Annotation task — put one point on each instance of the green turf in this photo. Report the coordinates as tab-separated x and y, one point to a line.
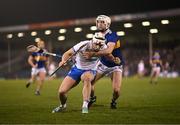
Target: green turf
140	102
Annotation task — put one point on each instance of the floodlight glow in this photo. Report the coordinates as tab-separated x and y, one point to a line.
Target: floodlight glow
164	21
62	30
9	36
128	25
34	33
146	23
89	36
120	33
20	34
153	31
77	29
93	28
47	32
61	38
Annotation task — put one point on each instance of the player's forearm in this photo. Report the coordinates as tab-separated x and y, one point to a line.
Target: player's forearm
67	55
110	57
106	51
103	52
31	63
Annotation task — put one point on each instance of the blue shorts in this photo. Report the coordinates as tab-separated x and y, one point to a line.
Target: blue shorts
76	73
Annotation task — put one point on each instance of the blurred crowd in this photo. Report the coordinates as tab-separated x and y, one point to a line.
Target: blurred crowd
138	59
133	54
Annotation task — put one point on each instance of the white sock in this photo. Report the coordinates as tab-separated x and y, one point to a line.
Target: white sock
64	105
85	104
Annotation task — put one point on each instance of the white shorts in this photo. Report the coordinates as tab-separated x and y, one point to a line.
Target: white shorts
35	71
156	69
102	69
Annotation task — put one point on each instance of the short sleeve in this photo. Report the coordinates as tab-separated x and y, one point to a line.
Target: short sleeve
34	54
78	46
113	37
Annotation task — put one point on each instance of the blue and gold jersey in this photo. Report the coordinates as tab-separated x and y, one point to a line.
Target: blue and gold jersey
113	37
40	58
156	62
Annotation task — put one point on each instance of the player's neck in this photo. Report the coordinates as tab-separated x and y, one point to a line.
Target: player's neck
104	31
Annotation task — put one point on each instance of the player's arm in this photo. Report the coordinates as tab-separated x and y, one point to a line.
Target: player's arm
116	60
150	62
66	56
107	51
30	61
110	57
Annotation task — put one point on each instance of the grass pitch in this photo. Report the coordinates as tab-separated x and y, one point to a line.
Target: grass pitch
140	102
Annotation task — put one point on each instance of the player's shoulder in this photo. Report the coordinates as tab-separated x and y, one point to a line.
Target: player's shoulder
85	41
82	43
33	53
112	34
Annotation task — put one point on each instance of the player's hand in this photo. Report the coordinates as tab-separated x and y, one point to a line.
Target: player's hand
62	63
117	60
87	55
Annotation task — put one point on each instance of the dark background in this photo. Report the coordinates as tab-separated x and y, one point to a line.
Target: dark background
134	45
16	12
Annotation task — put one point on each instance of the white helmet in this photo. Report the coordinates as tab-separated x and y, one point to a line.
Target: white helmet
99	39
106	19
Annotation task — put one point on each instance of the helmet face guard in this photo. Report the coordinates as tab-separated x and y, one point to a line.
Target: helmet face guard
98	41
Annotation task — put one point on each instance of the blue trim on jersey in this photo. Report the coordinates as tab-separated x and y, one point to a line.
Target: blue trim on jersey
76	73
113	37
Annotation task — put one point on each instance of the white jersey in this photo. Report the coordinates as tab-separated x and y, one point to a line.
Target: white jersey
141	67
81	62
